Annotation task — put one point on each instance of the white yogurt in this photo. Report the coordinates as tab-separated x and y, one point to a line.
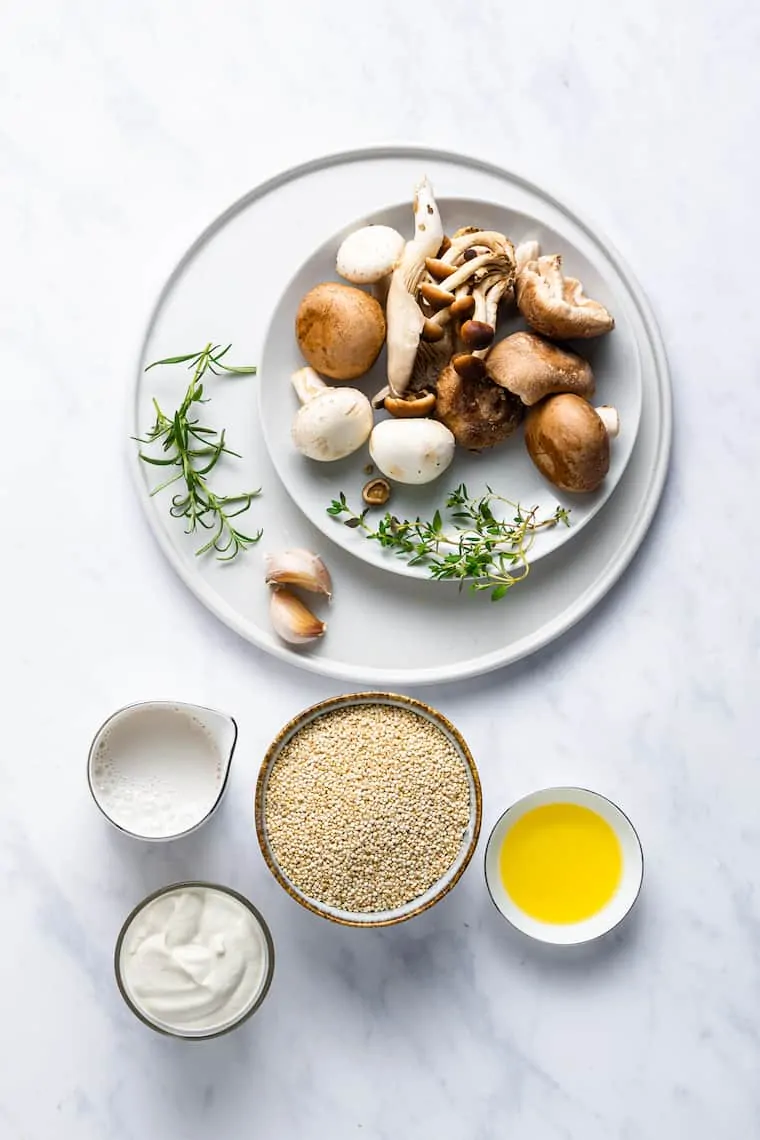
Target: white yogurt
156	770
194	960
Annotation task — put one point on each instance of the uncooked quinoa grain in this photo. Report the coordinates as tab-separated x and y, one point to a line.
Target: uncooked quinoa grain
366	807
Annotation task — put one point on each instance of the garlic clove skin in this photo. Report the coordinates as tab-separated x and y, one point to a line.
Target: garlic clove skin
299	568
291	620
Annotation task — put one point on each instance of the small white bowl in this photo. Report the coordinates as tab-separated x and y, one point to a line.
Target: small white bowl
157	770
570	933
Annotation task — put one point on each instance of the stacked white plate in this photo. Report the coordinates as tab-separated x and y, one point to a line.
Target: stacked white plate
241	282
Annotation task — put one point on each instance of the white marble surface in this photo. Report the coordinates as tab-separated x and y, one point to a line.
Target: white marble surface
124	127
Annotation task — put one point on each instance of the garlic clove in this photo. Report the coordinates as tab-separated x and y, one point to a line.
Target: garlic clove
298	568
291	620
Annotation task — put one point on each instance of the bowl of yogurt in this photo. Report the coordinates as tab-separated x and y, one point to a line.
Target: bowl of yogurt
158	769
194	960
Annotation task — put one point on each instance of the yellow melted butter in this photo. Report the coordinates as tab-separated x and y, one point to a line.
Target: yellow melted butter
561	863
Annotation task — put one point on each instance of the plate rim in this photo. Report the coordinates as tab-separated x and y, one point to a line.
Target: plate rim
594	592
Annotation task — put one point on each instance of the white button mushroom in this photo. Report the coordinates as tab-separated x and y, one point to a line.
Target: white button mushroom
333	422
411	451
368	255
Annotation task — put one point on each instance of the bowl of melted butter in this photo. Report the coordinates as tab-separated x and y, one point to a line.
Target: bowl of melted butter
564	865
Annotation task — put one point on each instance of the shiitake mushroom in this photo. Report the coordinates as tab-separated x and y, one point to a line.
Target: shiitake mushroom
476	411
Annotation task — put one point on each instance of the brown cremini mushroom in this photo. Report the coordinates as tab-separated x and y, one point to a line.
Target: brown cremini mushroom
340	330
569	442
478	412
533	368
556	305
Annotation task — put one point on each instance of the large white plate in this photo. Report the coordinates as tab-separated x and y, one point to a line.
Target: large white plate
383	629
507	468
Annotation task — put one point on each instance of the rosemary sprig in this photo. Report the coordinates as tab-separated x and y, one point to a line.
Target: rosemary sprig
195	451
472	546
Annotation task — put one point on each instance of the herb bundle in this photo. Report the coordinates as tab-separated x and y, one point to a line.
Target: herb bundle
473	546
194	450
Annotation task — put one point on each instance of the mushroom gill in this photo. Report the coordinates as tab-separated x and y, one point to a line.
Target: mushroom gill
555	305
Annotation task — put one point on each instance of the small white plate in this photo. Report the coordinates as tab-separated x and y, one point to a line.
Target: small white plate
507	468
570	933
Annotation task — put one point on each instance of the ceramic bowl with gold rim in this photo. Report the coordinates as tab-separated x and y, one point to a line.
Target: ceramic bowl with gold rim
461	842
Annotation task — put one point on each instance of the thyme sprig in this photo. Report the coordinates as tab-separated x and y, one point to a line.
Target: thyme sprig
195	450
472	545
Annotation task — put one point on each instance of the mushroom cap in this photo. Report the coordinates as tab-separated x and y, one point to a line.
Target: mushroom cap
528	250
411	451
556	305
333	424
340	330
369	254
478	412
568	443
533	368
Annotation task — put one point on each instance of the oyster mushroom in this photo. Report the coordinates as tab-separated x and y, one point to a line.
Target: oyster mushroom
368	256
526	251
332	422
569	442
405	318
533	368
556	305
340	330
478	412
411	451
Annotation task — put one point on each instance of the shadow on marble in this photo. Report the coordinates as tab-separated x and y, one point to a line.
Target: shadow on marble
603	953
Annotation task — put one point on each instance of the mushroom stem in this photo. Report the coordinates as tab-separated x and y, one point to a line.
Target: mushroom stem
493	297
404	316
479	297
610	417
307	384
468	270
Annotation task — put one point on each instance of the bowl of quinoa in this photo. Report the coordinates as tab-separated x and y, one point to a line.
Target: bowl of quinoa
368	808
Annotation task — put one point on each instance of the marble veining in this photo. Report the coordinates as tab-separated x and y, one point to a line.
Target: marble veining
125	127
